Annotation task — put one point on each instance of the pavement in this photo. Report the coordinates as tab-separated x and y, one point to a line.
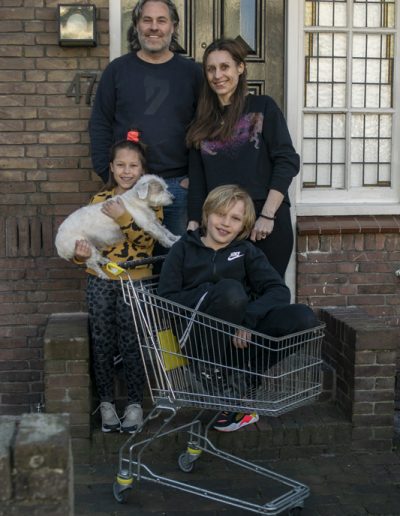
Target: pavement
349	484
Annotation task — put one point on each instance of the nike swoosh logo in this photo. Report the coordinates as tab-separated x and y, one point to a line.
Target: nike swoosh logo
234	256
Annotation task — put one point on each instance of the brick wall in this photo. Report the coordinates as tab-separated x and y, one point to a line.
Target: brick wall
45	174
36	465
350	261
363	350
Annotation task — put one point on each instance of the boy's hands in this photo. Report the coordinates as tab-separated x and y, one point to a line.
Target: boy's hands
82	250
241	339
114	208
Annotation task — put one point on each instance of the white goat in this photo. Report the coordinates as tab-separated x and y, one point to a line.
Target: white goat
91	224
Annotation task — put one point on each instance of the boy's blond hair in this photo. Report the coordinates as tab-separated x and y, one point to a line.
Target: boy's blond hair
220	200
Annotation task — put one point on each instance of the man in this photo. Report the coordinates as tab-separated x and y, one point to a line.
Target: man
154	90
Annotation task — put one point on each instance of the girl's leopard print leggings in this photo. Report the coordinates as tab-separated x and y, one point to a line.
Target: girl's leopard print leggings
112	331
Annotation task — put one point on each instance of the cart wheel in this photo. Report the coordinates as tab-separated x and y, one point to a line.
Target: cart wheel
185	464
120	492
296	511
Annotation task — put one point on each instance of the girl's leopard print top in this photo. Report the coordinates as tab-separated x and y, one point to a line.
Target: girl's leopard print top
137	244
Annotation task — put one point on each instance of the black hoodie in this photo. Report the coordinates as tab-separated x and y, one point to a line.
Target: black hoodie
190	268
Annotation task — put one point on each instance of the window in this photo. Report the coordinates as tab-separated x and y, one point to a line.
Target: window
348	103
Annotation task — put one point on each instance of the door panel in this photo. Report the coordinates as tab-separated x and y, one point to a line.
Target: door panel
258	23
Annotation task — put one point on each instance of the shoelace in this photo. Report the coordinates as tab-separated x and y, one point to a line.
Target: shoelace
109	408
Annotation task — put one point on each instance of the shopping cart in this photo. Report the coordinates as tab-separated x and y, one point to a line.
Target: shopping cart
190	362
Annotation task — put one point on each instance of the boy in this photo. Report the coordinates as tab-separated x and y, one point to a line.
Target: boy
241	286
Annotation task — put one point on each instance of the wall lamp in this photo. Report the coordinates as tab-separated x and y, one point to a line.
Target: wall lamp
77	25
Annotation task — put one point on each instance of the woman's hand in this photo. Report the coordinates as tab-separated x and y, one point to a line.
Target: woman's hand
262	228
192	225
241	339
184	183
113	208
82	251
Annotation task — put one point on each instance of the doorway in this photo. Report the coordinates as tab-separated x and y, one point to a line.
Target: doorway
260	24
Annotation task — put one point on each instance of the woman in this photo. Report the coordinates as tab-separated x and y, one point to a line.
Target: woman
242	139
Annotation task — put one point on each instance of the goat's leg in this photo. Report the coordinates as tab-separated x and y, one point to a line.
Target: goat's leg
95	261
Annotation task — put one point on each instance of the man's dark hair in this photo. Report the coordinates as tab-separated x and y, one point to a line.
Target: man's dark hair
132	36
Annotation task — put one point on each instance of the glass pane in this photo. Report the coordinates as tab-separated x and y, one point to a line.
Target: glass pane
338	151
240	19
324	155
309	175
248	22
356	176
374	14
371	150
324	175
309	130
325	126
325	13
309	151
370	175
338	174
384	174
326	86
326	69
372	70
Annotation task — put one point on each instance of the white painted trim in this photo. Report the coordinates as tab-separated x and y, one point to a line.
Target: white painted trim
293	103
114	7
357	201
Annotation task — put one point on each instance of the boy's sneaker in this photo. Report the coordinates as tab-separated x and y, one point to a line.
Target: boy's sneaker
231	421
109	419
132	418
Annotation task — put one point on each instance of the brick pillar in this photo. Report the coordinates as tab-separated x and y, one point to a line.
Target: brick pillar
363	351
67	373
36	468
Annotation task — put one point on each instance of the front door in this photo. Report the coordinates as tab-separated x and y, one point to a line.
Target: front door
258	23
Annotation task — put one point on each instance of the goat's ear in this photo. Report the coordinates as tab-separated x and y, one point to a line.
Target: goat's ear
142	190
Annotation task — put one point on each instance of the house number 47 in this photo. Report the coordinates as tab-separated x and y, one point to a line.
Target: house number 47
82	84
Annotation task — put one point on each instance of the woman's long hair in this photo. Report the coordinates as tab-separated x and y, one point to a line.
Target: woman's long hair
212	121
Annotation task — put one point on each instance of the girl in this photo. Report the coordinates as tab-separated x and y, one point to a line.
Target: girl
218	259
243	139
110	319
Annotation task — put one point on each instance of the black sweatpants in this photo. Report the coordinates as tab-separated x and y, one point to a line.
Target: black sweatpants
112	331
278	246
227	300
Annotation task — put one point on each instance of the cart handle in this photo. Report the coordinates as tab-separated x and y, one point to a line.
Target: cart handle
118	268
131	264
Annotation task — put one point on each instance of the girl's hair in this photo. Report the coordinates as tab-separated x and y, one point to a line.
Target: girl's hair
221	199
138	147
132	35
212	121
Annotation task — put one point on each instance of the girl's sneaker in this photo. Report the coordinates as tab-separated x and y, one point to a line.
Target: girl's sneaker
231	421
109	419
132	418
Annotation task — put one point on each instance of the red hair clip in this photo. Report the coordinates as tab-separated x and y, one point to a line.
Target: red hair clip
133	135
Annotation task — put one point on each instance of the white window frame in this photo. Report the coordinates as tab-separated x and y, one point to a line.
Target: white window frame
325	201
114	9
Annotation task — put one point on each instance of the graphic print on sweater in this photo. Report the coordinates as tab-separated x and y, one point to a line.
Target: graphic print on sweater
248	129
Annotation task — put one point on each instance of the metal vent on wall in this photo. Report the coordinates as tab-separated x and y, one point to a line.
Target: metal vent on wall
28	236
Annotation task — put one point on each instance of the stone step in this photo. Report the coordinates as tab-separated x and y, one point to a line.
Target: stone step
316	429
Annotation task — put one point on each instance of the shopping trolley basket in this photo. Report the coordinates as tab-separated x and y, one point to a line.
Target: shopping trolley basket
190	361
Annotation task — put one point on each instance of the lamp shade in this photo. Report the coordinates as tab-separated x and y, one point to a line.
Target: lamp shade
77	25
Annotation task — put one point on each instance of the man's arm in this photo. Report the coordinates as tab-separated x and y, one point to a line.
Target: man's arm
101	124
197	186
